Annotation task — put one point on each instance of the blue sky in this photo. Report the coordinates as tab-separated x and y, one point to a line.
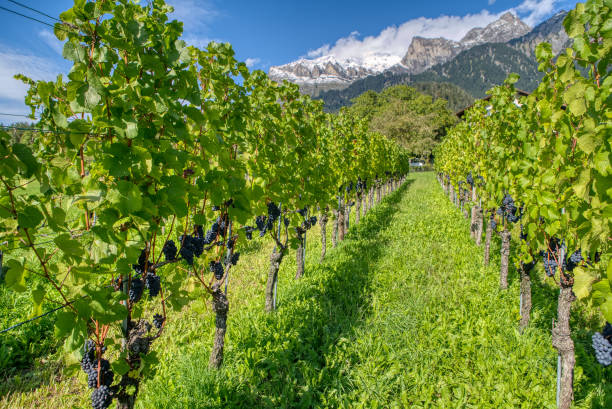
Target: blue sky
266	32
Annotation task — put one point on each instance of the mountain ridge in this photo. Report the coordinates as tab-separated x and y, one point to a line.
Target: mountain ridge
330	72
488	66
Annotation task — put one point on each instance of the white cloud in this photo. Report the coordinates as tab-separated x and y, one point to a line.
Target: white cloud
195	14
251	62
198	42
12	91
491	2
533	11
394	40
14	62
49	38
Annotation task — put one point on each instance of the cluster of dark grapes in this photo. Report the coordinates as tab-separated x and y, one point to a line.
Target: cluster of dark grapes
136	287
470	179
101	397
248	231
217	269
308	223
153	284
527	267
158	321
360	186
265	223
349	187
217	229
509	209
140	267
193	245
170	250
573	260
602	344
151	280
233	259
549	257
493	223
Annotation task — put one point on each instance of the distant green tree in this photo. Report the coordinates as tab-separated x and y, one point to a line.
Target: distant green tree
415	120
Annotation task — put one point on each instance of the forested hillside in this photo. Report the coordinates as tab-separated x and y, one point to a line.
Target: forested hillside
456	97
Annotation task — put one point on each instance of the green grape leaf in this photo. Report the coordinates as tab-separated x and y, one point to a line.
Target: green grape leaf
14	277
29	217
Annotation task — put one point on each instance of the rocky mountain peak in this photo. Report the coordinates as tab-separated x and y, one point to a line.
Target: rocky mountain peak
331	72
502	30
426	52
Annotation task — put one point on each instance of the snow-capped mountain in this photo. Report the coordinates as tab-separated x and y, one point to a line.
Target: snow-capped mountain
331	69
332	72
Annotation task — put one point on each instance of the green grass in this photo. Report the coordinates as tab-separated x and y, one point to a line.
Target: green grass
402	314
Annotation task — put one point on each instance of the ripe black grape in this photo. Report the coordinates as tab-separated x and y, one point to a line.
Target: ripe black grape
142	262
170	250
198	246
216	208
550	263
192	246
211	234
106	375
260	222
153	284
217	269
470	179
101	398
507	201
158	321
574	259
248	231
142	259
527	267
603	349
88	355
233	260
136	288
302	212
199	230
222	225
273	212
607	332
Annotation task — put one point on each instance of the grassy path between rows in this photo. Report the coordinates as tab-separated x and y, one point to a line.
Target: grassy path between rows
401	315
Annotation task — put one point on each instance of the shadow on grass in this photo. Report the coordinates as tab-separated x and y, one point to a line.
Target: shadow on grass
20	353
283	359
592	382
